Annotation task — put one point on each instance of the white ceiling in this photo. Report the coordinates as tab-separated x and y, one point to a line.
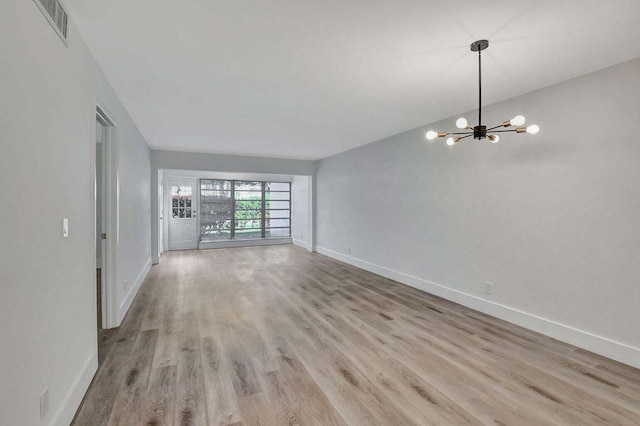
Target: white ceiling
308	79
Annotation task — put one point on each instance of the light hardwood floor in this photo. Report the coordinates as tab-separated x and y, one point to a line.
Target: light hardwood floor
279	336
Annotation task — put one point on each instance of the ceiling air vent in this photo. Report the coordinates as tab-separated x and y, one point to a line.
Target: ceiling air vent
56	15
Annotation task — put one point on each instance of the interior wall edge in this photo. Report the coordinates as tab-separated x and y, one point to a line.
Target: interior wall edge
597	344
75	395
126	303
302	244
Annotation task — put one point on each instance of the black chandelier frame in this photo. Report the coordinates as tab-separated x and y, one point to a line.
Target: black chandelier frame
481	131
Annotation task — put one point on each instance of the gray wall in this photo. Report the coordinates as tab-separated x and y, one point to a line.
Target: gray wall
47	283
216	163
551	220
300	211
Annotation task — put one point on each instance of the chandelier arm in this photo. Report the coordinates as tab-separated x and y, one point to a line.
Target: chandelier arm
502	131
495	127
460	133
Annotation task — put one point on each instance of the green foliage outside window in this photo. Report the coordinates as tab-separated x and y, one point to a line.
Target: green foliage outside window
249	213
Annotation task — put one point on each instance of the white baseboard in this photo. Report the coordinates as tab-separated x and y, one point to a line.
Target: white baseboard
126	303
583	339
80	385
301	243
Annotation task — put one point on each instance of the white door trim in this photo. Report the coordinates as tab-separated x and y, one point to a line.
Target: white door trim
111	198
161	214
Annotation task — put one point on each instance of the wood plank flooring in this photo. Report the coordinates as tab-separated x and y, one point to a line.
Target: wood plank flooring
279	336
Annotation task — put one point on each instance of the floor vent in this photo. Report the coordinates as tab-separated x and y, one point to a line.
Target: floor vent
56	15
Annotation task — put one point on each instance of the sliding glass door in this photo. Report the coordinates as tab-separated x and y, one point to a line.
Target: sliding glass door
243	210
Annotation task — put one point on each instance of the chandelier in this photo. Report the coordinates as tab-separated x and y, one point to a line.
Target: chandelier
481	131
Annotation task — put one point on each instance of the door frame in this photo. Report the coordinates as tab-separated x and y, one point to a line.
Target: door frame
195	205
161	215
110	212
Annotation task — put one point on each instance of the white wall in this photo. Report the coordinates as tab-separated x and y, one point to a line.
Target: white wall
47	283
551	220
300	211
134	213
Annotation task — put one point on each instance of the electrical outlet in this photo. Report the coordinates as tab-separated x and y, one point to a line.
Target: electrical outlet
65	228
348	249
488	288
44	403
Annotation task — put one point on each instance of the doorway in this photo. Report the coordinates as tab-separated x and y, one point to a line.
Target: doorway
105	208
101	234
182	214
161	236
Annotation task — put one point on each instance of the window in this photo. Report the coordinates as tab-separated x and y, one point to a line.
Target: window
181	202
277	209
249	206
241	210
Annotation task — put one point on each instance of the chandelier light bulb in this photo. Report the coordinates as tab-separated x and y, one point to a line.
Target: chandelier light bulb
518	120
431	135
494	138
533	129
461	123
450	141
